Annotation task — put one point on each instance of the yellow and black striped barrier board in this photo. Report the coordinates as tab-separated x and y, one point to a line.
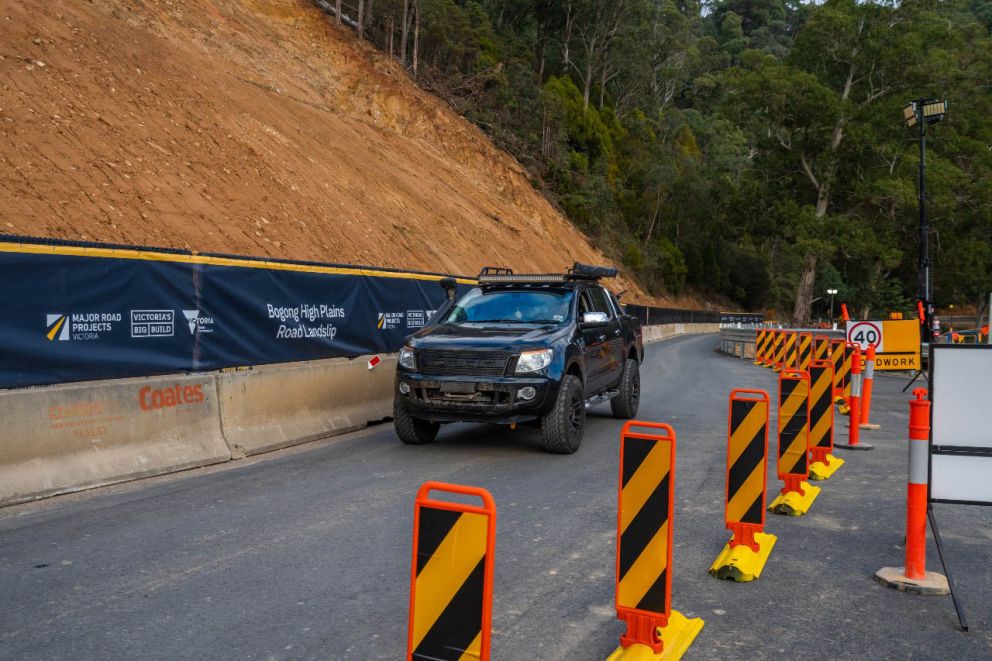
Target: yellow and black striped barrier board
744	556
847	367
791	350
805	351
644	531
768	359
747	458
821	347
780	350
451	583
821	409
823	463
793	424
760	341
837	355
644	547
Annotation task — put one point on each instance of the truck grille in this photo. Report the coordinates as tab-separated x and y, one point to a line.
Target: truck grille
462	363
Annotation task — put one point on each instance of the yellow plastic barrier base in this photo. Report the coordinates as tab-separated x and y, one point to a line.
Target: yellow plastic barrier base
677	637
844	409
741	563
822	471
793	504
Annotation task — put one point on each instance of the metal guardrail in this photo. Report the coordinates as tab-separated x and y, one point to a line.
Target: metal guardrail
739	342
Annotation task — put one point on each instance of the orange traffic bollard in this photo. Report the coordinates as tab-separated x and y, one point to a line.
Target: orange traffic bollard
644	547
913	576
869	379
854	422
451	583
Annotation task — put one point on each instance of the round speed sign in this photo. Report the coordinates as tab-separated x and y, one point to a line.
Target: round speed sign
865	333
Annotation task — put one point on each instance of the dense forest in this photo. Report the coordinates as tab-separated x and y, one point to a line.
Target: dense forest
751	148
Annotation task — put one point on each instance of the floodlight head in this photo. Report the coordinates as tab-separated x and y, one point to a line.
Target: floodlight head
929	111
909	114
934	110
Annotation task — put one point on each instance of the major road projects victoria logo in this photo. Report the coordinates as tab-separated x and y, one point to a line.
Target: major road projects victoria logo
57	327
80	326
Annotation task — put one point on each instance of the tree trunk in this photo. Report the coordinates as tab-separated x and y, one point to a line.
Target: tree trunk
390	30
337	11
416	37
405	32
602	86
361	19
804	293
587	83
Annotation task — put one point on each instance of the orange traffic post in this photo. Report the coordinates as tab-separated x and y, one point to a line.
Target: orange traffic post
793	445
869	379
745	555
451	583
821	421
854	406
645	513
913	575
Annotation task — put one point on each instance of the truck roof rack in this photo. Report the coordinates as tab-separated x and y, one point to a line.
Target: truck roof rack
578	271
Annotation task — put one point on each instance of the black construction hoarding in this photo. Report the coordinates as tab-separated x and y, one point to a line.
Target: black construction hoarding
77	312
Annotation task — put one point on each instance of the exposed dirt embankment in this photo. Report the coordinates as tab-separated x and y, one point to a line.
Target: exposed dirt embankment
253	127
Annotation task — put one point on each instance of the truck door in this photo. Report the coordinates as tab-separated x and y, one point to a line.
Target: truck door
613	357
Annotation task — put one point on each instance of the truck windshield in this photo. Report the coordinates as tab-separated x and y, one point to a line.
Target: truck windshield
502	306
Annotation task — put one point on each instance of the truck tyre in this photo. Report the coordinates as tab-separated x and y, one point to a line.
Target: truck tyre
561	429
625	404
411	430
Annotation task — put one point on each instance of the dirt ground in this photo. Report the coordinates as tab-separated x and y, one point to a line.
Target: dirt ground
252	127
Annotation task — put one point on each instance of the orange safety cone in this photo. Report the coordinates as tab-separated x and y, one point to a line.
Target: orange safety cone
869	379
854	426
913	576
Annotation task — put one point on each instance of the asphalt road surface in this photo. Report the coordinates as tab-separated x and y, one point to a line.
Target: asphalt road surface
306	553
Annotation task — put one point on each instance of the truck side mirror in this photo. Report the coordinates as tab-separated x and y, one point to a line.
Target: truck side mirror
592	319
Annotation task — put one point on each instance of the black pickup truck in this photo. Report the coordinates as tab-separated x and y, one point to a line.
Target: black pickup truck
521	348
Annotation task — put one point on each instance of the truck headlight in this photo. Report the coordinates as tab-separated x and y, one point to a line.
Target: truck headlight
406	359
532	361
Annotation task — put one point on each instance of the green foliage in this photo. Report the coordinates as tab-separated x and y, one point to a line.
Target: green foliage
717	151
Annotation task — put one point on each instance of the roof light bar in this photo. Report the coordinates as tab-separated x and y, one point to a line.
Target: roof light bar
495	274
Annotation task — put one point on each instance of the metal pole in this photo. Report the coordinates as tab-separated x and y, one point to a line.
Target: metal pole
924	228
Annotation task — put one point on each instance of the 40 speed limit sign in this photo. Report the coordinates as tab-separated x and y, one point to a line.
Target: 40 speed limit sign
897	342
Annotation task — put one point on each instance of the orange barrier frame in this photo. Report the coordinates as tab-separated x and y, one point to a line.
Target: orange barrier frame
743	533
488	509
643	625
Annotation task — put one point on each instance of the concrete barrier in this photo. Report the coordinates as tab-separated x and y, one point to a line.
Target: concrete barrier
665	331
70	437
275	406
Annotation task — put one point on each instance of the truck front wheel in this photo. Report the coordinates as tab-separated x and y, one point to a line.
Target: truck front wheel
411	430
561	429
